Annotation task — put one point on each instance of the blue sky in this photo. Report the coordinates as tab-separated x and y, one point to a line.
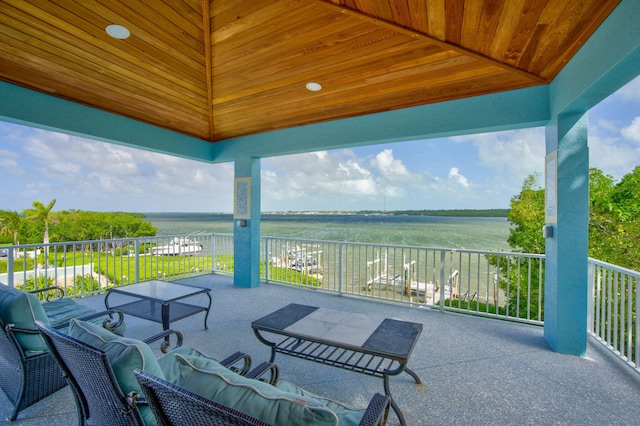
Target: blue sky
468	172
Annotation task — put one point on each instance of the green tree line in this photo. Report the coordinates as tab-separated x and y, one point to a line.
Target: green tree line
614	233
449	213
39	224
614	218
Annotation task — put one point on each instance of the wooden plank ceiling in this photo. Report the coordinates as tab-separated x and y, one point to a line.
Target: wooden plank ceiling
217	69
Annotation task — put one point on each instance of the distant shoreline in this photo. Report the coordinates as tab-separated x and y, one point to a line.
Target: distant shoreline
442	212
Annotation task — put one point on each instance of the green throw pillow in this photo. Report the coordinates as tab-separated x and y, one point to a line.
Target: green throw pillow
171	367
23	309
253	397
124	354
347	415
90	333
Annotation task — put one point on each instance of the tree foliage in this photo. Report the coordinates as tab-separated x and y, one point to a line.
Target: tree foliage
614	228
527	217
10	222
614	231
77	225
614	210
40	224
41	213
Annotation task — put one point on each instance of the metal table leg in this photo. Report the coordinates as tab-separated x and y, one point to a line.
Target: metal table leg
395	407
208	308
387	389
272	345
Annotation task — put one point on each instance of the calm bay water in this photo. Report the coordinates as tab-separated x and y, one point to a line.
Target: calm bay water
471	233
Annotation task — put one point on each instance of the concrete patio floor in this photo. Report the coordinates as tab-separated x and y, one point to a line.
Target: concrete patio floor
475	371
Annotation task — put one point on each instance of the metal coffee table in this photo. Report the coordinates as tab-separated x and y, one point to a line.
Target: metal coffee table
370	345
158	301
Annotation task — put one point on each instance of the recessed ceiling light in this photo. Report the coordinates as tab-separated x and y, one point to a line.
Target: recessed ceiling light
117	31
314	87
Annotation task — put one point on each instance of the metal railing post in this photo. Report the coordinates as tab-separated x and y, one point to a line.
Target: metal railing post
10	269
442	279
213	252
267	266
591	276
340	266
136	262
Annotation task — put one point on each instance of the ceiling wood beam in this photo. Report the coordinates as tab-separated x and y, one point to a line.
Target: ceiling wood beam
206	30
443	44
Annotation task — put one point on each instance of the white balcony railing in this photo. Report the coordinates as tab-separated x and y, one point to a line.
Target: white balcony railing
496	284
84	268
613	309
493	284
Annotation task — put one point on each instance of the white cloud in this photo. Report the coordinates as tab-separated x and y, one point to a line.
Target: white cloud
92	175
629	92
515	153
341	180
317	178
9	163
390	168
456	178
613	150
632	131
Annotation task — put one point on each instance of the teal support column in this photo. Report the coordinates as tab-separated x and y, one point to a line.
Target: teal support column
246	222
567	213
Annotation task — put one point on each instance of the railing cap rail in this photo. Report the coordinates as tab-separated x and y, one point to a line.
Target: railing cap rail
614	267
404	247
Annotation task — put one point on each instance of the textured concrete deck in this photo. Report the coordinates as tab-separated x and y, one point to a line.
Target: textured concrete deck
475	371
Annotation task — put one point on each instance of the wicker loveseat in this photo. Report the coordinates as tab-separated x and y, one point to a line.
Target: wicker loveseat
248	402
29	372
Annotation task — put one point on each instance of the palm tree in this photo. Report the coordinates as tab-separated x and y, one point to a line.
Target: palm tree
10	224
41	213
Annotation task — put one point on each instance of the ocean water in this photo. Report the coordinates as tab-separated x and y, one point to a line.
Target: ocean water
470	233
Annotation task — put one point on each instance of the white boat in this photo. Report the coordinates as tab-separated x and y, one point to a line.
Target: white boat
300	259
178	247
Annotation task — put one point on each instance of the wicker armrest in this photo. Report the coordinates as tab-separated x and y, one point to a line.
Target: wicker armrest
109	323
52	289
231	361
264	368
165	346
377	411
12	333
11	328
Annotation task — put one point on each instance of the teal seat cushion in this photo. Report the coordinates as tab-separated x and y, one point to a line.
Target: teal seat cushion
256	398
22	309
62	310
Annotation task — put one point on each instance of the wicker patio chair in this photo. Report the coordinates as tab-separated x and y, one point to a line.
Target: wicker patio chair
28	376
26	379
99	397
